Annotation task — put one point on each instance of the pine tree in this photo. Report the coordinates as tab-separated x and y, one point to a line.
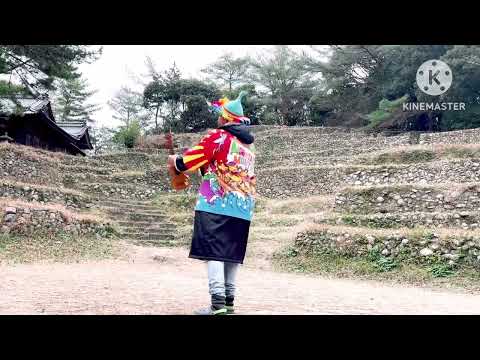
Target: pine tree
38	66
229	70
72	101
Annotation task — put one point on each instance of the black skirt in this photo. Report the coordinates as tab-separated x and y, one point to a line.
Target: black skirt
219	237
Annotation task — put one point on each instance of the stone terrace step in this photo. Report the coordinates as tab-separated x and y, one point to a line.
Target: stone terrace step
92	186
126	201
138	217
87	169
301	181
126	191
145	224
158	243
464	219
458	171
133	207
152	237
148	230
129	210
409	198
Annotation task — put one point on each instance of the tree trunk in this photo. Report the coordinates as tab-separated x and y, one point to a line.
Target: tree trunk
156	117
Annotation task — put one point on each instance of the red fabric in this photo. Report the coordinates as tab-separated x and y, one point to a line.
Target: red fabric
214	145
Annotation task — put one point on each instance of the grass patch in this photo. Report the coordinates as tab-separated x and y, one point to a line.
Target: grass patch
177	202
184	235
441	270
61	247
376	267
272	221
467	151
380	262
408	157
260	205
300	205
371	223
178	207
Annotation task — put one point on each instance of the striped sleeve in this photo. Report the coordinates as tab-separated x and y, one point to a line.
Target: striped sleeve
202	153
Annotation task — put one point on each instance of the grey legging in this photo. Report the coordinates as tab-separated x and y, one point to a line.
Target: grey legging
221	278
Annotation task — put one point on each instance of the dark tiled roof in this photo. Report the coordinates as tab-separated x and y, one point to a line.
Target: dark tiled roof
28	105
75	132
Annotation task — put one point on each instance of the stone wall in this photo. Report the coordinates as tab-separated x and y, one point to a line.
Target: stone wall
118	191
456	219
470	136
21	165
29	165
128	160
156	178
31	219
415	198
417	247
301	182
43	194
459	171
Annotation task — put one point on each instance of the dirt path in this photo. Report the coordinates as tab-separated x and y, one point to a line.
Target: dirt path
174	284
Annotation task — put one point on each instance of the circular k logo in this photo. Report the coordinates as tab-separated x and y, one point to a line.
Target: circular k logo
434	77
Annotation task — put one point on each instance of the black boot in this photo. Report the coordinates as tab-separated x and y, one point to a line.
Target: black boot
229	304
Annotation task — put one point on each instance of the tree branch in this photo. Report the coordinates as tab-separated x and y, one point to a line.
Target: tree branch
19	65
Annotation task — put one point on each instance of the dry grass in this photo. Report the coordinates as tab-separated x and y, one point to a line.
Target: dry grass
34	154
65	248
299	205
152	142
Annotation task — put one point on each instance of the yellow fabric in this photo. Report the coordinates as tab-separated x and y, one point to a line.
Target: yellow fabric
189	158
198	147
192	169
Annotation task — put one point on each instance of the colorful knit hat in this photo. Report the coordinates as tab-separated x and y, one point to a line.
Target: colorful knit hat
231	111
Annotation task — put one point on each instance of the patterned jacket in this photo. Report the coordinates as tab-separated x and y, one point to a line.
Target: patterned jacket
226	158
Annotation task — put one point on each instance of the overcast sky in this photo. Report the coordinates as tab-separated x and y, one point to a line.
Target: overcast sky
119	64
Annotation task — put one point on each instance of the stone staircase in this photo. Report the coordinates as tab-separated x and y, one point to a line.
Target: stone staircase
124	189
140	222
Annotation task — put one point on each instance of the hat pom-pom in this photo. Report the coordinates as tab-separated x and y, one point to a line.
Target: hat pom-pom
242	94
223	101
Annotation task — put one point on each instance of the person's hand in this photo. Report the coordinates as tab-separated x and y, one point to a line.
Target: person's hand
179	181
171	165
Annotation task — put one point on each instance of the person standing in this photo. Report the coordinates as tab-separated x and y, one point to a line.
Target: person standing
226	199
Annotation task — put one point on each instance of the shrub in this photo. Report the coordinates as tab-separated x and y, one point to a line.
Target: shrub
384	111
127	136
441	270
